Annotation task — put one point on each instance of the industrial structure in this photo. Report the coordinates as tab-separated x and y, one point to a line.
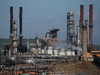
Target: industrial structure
82	19
79	33
80	28
51	55
11	25
70	28
15	40
84	51
14	47
82	34
91	28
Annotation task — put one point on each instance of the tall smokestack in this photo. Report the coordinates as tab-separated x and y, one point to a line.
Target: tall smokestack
84	51
91	25
82	17
20	23
11	25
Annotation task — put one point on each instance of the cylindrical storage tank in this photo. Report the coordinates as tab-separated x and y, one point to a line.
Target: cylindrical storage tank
61	53
84	52
55	52
42	51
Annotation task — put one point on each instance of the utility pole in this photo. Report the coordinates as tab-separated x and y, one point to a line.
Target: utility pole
35	65
75	64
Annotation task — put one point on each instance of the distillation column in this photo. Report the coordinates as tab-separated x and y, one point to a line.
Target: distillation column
70	27
79	32
15	40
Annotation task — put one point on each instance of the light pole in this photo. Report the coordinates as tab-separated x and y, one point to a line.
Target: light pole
80	70
35	66
75	64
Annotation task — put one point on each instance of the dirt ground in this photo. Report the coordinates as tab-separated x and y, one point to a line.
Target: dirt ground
66	68
72	67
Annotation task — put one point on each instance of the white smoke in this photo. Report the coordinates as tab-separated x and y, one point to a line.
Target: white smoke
62	44
76	48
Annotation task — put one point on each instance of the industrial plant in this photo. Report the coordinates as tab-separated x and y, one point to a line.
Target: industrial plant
50	55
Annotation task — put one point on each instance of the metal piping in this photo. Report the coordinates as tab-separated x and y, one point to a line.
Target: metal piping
46	34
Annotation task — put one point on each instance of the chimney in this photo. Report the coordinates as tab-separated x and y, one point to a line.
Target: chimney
11	25
82	18
20	26
84	50
91	25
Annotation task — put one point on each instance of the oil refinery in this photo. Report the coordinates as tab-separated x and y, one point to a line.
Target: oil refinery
50	55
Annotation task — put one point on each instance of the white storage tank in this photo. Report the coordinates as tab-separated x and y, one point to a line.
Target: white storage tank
56	52
42	51
61	53
48	52
70	53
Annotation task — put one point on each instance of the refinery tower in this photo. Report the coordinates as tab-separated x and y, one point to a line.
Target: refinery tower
70	28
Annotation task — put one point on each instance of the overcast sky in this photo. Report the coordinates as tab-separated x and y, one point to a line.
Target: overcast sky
41	15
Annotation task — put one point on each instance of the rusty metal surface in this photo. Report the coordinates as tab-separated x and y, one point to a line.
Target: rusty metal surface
91	27
51	41
82	17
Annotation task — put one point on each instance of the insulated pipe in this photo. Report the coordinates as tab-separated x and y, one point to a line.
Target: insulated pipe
82	16
91	25
11	25
20	29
